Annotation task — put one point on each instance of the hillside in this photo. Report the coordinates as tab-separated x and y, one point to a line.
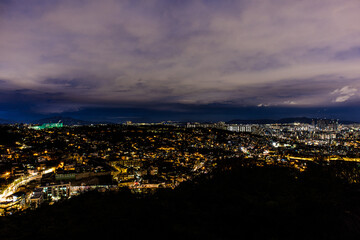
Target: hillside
246	201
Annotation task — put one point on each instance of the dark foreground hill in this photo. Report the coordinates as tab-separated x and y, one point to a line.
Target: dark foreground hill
237	202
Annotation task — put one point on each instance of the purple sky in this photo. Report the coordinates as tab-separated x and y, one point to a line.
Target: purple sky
66	56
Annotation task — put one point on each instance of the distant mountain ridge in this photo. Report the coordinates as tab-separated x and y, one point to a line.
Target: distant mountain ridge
281	121
69	121
6	121
65	120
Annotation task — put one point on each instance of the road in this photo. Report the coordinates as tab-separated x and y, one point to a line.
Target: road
14	186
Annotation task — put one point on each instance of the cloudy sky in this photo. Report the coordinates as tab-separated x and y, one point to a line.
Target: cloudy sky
179	60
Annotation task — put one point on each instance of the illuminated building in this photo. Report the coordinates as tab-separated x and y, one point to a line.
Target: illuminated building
233	128
245	128
47	125
56	191
14	202
36	198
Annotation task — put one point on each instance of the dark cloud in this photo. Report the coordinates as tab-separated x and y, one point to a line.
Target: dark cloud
63	82
251	63
349	54
70	83
72	55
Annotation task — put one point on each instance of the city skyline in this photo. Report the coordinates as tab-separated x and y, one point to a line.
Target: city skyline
179	60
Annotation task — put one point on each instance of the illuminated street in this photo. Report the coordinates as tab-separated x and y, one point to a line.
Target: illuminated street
13	187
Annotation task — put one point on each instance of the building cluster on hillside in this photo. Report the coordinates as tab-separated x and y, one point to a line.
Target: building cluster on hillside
53	163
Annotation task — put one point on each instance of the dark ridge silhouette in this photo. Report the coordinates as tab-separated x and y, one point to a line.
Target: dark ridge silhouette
6	121
68	121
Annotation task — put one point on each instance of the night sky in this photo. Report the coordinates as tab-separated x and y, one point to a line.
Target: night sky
179	60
